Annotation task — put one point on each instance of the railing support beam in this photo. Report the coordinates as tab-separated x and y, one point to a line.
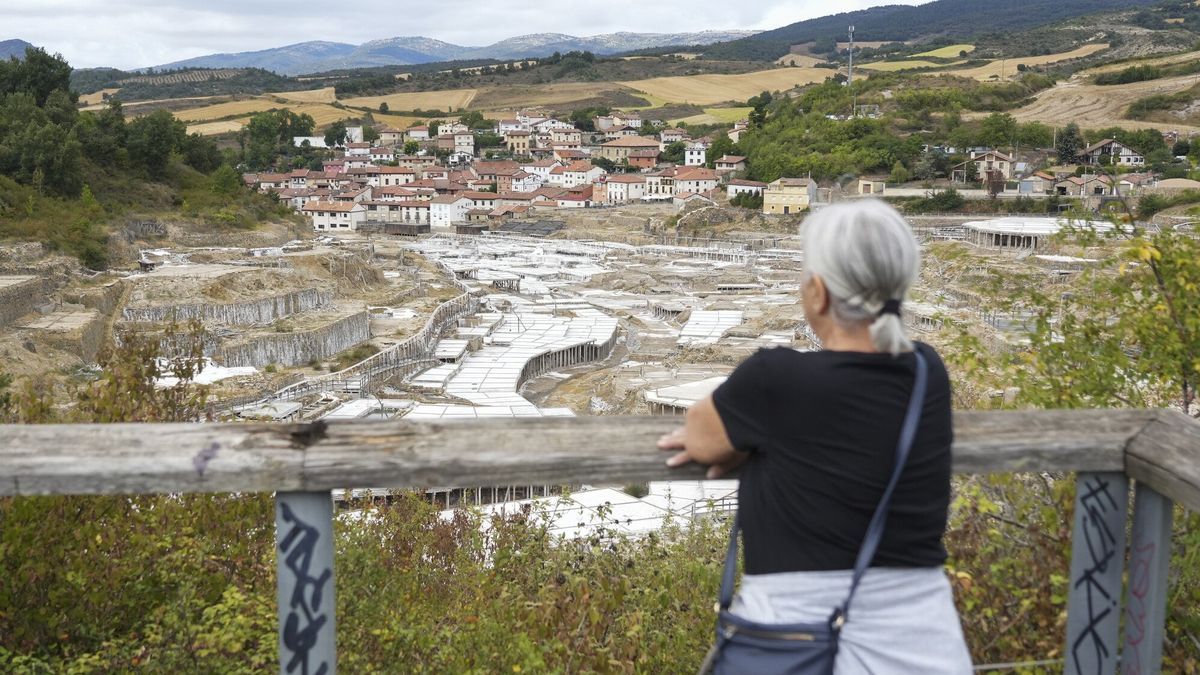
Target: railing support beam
1097	565
1146	595
304	569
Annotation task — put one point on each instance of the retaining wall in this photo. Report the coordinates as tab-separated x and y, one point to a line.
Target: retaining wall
293	349
19	298
252	313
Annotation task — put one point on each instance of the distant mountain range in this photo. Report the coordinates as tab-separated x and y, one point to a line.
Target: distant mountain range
318	56
10	48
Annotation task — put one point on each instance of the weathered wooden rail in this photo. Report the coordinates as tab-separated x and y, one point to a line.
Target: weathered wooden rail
1159	450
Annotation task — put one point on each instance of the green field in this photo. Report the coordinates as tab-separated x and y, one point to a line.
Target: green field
947	52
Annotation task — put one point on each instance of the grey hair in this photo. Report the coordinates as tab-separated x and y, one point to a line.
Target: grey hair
866	254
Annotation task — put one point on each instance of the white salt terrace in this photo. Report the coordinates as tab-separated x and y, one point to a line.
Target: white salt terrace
706	327
578	515
680	397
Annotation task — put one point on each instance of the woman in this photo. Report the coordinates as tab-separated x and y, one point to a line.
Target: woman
817	433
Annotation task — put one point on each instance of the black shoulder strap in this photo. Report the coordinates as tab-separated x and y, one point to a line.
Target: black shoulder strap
874	535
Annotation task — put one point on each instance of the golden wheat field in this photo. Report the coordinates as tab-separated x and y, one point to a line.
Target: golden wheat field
709	89
716	116
907	64
947	52
1008	67
457	99
214	128
228	109
325	95
96	98
799	60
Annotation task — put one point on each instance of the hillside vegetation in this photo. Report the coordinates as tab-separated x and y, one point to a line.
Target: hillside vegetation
66	175
896	23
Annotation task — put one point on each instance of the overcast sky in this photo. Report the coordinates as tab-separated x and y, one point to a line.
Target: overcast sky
139	33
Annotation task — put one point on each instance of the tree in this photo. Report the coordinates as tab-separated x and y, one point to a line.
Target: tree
226	181
998	129
335	135
674	152
370	133
38	74
411	147
383	107
201	153
605	163
152	139
899	173
1070	143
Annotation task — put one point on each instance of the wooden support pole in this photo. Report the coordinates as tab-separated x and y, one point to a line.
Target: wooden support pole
1146	594
304	568
1097	565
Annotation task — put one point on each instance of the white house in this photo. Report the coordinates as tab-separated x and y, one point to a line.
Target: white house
523	181
313	141
740	186
581	173
695	180
623	188
540	168
549	125
418	133
505	126
447	210
358	150
382	155
453	128
1111	151
343	216
390	176
694	155
464	142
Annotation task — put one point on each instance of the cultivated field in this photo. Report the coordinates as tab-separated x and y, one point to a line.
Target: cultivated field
457	99
230	109
947	52
520	96
214	128
709	89
1094	106
97	98
907	64
1170	60
799	60
325	95
1008	67
716	116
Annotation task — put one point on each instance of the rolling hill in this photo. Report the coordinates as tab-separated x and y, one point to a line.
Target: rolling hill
949	18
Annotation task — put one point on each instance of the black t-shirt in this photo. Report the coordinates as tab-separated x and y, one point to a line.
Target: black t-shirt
822	428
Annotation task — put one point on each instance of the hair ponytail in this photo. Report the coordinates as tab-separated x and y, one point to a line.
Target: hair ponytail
888	335
867	256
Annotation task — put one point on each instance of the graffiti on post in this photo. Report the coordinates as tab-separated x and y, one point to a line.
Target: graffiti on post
1135	611
305	618
1101	547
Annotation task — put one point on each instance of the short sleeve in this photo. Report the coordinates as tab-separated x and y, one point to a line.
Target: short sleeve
742	403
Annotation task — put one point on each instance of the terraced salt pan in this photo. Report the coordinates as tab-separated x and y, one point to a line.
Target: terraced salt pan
705	327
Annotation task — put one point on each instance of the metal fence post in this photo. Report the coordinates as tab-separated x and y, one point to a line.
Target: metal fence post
1097	564
304	534
1146	595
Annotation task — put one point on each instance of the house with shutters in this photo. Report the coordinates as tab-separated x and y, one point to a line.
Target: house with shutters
1112	152
335	216
786	196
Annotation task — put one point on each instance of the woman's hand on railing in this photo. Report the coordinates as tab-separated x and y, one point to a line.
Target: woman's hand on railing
676	440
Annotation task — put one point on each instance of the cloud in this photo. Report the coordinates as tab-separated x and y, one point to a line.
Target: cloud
140	33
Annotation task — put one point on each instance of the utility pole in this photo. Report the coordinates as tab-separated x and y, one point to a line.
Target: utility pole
850	77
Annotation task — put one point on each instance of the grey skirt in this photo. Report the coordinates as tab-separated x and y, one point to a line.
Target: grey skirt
902	620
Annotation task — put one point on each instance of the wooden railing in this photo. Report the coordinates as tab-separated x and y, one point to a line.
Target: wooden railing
301	463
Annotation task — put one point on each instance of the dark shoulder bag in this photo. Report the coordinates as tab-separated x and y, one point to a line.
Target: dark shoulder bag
745	647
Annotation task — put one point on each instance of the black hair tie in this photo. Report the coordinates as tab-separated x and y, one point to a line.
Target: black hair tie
892	306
